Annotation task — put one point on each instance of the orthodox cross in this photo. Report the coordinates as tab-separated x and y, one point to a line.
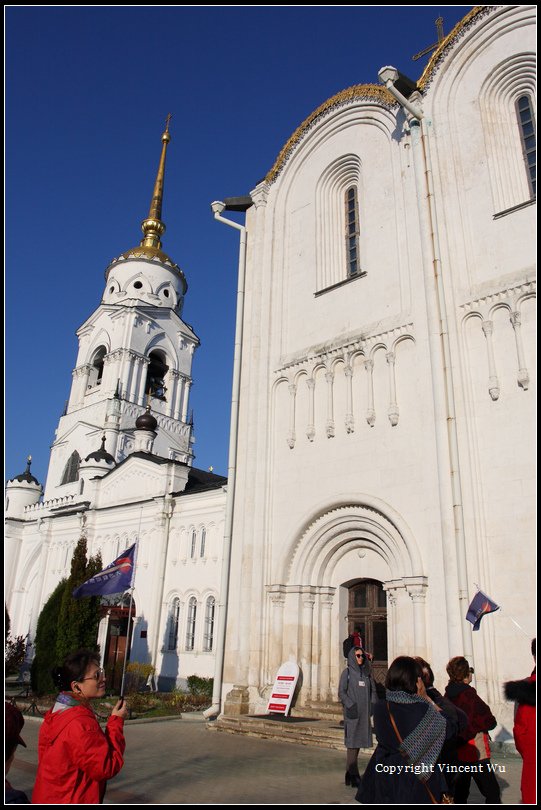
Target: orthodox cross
439	29
167	120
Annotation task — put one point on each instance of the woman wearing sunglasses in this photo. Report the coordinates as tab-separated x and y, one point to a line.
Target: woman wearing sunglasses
75	757
357	694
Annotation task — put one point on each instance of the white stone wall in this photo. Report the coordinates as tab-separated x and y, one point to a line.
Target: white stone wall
364	450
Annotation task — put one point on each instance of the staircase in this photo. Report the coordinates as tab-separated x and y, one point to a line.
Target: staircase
316	725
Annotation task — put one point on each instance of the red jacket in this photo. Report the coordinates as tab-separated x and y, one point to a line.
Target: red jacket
75	757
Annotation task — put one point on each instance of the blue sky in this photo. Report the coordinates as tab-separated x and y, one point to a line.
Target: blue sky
87	92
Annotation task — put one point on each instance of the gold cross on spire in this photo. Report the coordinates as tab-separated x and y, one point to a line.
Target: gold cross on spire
439	29
167	120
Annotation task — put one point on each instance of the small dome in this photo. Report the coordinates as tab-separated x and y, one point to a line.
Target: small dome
101	454
26	475
146	421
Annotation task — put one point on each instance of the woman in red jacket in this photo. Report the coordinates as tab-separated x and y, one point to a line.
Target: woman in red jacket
524	731
474	749
75	757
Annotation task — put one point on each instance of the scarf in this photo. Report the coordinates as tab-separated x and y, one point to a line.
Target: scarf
423	745
65	700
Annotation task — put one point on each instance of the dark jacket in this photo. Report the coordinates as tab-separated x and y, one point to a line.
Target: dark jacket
383	787
480	721
357	693
13	796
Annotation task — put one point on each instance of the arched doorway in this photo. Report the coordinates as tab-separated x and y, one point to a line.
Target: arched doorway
367	615
116	647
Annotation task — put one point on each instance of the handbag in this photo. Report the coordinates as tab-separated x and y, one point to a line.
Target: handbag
446	798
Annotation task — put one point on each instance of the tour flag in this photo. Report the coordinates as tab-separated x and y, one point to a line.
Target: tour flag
116	578
481	604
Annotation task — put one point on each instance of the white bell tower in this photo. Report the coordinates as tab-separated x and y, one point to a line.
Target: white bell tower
134	350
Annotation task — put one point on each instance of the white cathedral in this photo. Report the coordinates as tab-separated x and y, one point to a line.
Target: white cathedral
385	466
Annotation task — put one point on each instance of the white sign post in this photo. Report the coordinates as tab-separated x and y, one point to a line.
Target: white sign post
283	689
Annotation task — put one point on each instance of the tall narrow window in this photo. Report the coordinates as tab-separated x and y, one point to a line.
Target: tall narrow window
190	627
352	232
157	369
209	624
194	543
71	470
527	131
96	369
203	541
173	625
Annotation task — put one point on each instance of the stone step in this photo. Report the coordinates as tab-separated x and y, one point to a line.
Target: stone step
325	711
300	730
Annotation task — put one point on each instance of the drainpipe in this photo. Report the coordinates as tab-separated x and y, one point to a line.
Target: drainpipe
214	710
444	400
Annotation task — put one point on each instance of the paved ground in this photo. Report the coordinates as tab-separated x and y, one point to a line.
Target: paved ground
182	762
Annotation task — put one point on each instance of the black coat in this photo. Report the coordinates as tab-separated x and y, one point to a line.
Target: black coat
398	788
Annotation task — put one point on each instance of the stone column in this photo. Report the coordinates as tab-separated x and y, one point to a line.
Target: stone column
311	428
350	422
326	596
185	399
417	588
308	600
493	382
275	644
370	412
329	376
523	378
393	411
292	388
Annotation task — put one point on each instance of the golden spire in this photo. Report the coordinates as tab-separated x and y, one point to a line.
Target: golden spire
152	227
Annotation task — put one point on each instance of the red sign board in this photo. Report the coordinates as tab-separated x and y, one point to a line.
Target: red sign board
283	688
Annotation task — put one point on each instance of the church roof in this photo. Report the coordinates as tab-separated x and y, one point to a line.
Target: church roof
202	480
26	475
374	92
101	454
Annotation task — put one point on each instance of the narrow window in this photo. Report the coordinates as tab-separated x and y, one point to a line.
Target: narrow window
209	624
173	625
194	543
71	470
157	369
527	133
96	369
190	627
203	541
352	232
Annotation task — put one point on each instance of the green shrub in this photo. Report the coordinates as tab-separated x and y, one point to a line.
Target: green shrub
200	686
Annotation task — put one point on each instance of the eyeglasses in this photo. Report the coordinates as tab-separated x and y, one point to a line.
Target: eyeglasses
97	676
472	671
358	655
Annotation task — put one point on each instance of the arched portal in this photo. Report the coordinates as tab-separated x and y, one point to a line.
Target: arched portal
332	555
367	616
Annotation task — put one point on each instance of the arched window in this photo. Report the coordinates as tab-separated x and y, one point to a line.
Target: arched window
203	541
96	371
194	543
71	470
527	134
157	369
352	232
190	627
209	624
174	613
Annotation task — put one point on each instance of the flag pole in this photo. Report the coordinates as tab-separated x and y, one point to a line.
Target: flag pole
128	639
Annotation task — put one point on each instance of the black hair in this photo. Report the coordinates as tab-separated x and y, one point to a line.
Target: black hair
403	674
533	647
74	668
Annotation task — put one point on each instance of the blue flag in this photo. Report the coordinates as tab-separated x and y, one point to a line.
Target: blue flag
481	604
116	578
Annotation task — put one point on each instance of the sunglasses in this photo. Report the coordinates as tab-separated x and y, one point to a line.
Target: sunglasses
97	676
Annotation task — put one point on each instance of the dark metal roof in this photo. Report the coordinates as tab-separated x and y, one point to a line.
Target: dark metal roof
26	475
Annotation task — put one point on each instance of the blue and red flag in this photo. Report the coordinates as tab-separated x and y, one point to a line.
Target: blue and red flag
116	578
481	604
